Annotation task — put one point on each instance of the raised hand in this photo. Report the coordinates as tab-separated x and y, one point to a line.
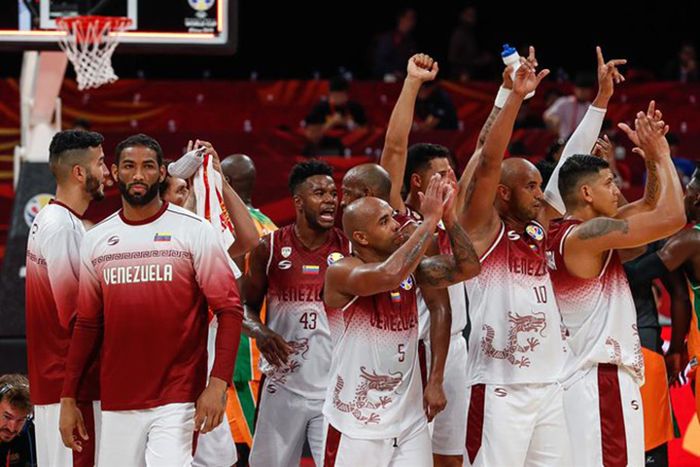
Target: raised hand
651	135
422	67
527	78
652	114
608	74
603	148
432	202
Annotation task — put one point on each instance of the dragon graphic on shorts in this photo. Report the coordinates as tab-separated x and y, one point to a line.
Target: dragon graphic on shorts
615	354
362	400
518	325
278	375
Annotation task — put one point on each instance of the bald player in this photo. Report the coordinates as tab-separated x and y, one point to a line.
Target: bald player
373	180
76	161
374	293
516	347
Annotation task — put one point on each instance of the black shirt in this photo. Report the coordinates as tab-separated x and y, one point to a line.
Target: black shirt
21	451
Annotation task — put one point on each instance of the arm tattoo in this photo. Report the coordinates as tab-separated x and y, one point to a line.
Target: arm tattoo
601	226
651	190
418	249
487	126
443	269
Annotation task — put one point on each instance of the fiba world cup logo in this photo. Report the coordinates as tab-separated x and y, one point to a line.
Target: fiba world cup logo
201	5
34	205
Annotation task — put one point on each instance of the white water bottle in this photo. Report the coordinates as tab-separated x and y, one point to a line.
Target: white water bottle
511	56
188	164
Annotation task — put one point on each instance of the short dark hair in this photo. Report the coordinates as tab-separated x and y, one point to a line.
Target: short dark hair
546	168
576	168
338	84
306	169
419	156
139	140
68	147
14	388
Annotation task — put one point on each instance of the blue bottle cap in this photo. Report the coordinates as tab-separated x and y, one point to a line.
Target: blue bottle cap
508	50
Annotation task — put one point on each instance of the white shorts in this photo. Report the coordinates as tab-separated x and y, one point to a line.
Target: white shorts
605	418
216	448
411	449
285	421
449	428
518	424
161	436
49	445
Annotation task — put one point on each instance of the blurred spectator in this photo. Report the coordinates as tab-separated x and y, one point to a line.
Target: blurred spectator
318	143
564	115
17	441
434	109
465	59
684	67
395	47
684	166
337	111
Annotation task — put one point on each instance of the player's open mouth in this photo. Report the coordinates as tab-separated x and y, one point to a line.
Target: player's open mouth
328	215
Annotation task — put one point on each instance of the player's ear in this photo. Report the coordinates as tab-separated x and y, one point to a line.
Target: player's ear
360	237
79	173
415	180
162	173
586	193
297	202
115	171
504	192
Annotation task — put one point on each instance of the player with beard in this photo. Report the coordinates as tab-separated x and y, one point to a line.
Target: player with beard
287	270
147	274
77	163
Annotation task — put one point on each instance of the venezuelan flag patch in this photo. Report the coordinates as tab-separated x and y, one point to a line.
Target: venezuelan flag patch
162	237
310	269
396	297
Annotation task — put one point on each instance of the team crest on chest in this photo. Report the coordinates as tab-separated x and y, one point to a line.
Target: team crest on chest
334	257
407	284
535	231
286	251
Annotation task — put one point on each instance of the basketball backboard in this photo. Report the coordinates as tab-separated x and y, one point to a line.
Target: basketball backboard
177	26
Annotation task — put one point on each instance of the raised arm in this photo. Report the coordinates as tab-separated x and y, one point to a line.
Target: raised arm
586	134
601	234
352	277
443	270
254	285
243	225
478	211
421	68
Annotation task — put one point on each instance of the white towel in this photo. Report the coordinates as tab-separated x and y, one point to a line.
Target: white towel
208	189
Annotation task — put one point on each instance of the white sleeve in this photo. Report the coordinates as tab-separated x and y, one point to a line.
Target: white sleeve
581	142
61	249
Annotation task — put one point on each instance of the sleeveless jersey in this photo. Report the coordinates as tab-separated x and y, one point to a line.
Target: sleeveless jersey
598	313
374	390
295	310
517	335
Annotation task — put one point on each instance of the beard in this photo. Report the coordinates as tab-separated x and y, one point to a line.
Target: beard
138	200
92	186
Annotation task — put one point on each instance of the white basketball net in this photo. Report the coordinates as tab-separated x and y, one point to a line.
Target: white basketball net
89	46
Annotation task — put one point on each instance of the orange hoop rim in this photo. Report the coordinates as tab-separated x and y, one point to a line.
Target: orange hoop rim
116	23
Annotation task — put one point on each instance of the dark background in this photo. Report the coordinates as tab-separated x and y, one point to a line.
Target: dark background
300	39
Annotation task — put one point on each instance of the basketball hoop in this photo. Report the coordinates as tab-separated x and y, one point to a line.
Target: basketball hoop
89	45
